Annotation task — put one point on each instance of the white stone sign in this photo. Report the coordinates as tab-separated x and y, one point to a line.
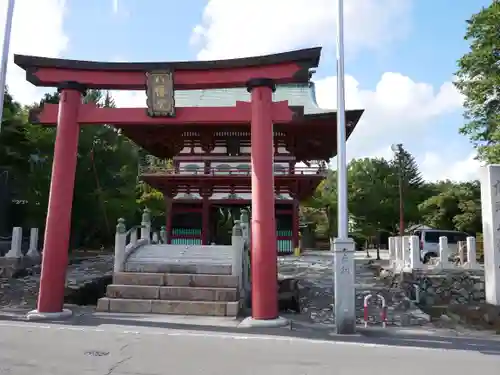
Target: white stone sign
345	291
490	205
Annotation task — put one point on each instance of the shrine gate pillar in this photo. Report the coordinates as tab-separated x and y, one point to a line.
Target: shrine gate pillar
58	222
264	253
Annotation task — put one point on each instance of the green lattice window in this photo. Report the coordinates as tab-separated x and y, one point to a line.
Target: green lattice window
279	169
243	168
223	169
193	168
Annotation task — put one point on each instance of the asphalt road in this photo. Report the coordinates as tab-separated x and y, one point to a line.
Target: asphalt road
117	350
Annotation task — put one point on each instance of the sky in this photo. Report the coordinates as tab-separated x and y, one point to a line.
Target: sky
400	57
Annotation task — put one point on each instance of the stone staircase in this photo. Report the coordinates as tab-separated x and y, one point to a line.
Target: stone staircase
181	293
174	279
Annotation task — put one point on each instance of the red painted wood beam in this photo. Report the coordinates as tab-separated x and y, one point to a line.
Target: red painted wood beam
184	79
287	67
240	114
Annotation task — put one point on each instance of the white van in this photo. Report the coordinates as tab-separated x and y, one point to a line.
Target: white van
429	241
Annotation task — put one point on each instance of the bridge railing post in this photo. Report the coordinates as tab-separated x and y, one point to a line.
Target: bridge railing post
163	234
146	225
133	235
120	244
238	245
156	238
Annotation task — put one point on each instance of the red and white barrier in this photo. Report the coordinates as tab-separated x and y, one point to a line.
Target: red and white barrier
383	308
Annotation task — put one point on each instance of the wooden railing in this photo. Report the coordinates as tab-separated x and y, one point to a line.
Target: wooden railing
218	171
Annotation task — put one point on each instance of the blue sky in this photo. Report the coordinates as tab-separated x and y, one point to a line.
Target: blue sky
401	56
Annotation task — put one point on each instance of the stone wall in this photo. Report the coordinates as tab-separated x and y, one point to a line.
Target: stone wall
438	287
12	267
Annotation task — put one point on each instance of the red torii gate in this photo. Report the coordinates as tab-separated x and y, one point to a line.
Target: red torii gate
73	78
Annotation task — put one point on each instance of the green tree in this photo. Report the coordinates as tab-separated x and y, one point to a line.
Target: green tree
321	208
105	180
478	79
372	197
414	189
455	207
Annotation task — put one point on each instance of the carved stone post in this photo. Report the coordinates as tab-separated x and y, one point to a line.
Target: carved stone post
444	252
415	260
146	225
163	234
120	243
16	242
133	235
238	243
33	249
471	254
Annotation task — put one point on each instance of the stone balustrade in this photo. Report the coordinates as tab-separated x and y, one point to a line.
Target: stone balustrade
127	243
15	260
405	255
451	278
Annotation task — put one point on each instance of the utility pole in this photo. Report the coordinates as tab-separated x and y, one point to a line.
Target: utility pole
5	54
343	246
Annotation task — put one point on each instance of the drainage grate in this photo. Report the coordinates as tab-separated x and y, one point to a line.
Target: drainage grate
96	353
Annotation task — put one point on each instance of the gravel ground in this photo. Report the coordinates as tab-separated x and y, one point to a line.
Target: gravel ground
317	293
23	291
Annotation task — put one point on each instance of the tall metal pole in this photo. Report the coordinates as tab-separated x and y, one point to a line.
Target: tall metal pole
5	54
341	133
343	246
401	201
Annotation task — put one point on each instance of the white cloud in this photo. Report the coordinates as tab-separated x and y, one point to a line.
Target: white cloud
116	6
399	110
436	167
236	28
129	99
37	30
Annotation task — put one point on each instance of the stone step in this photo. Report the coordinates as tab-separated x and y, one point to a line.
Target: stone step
142	306
189	268
175	279
176	293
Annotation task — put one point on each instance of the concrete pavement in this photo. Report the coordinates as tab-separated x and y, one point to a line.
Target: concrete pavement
44	349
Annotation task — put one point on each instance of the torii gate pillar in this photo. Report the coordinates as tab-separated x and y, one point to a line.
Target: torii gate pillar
58	223
264	261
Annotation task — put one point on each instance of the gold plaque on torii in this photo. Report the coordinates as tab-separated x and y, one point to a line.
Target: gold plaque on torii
160	94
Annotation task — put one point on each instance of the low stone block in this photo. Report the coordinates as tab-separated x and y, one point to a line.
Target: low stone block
226	294
197	294
186	268
102	305
133	291
130	306
187	294
213	269
232	308
138	278
189	308
217	281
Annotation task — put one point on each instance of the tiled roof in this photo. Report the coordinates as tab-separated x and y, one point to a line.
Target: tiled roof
296	94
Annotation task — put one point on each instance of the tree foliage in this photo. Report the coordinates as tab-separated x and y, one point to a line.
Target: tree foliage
454	207
106	183
478	79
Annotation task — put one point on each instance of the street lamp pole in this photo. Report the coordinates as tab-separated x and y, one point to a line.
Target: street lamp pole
5	54
398	149
343	246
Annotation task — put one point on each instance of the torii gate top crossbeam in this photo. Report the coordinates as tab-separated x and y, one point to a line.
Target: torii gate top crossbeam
282	68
